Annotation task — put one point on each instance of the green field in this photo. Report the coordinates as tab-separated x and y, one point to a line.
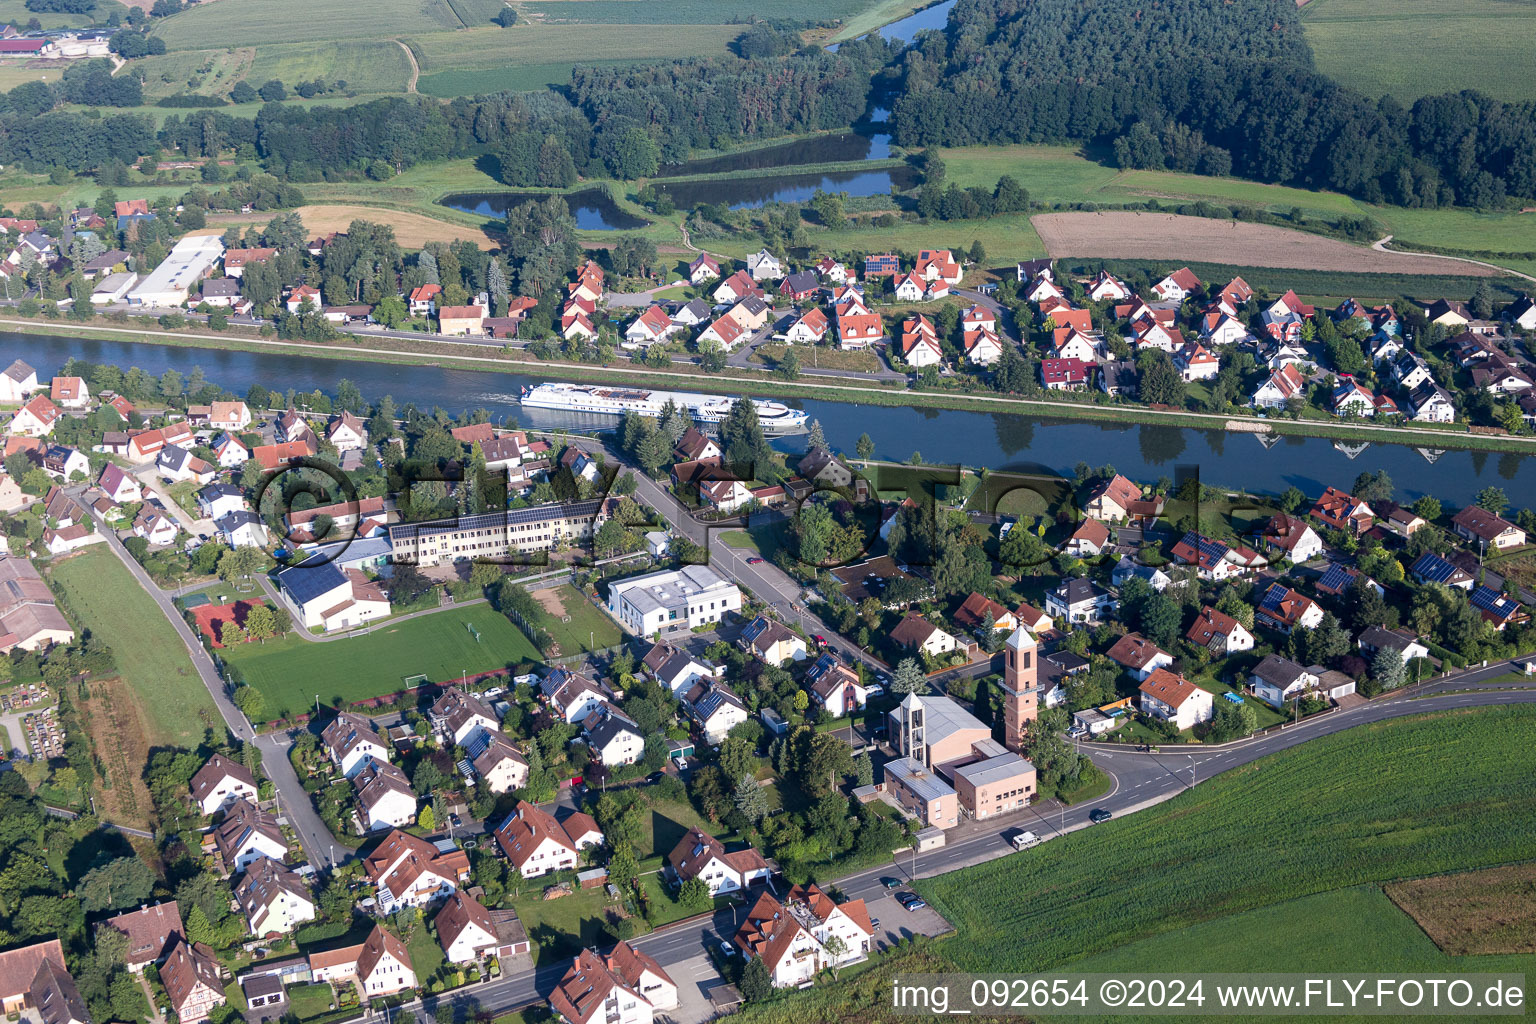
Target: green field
1369	805
292	671
150	656
365	67
15	12
1408	50
694	12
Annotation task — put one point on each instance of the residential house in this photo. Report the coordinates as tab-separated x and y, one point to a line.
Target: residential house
18	968
1175	699
353	743
1129	568
919	344
231	451
1341	511
1477	525
458	716
982	347
193	981
176	464
247	833
236	260
155	527
498	761
384	965
70	393
18	382
612	736
151	931
764	266
1177	286
1291	538
274	899
726	332
649	328
1195	362
571	695
1373	639
1431	403
809	328
465	929
799	286
917	633
1066	374
832	271
1139	656
700	855
703	268
1284	384
858	329
243	529
536	843
1219	633
623	987
1120	378
459	321
35	419
1283	609
220	783
1071	343
1076	599
423	298
1089	539
63	463
1107	286
882	265
974	610
1112	500
838	687
772	641
785	940
1497	607
346	432
1276	680
384	797
412	872
735	288
301	295
1431	568
1212	559
1449	314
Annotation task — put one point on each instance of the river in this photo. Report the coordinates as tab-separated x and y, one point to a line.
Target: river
998	440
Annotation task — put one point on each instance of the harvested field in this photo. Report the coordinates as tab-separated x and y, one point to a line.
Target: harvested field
412	230
1167	236
1477	912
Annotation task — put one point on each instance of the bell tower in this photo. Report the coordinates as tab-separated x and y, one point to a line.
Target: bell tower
1020	703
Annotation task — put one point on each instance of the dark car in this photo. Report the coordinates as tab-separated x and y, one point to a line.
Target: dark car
1099	814
890	883
912	901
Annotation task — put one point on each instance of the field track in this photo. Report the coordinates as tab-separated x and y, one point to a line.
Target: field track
1159	236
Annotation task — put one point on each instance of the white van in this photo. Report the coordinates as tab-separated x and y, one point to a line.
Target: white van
1024	840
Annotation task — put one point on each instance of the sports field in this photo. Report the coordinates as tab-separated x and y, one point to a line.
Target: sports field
1425	47
292	671
173	705
1369	805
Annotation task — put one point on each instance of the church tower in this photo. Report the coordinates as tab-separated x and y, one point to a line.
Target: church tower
1020	703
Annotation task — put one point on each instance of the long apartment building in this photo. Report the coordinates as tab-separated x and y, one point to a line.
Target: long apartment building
496	534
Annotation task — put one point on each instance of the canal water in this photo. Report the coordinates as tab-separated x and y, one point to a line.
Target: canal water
997	440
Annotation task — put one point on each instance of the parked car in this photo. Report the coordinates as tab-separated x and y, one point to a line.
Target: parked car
874	689
1024	840
912	901
1099	814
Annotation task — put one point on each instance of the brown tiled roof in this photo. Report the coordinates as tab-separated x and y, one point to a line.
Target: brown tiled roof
19	966
458	913
1171	689
55	996
186	968
1134	651
375	946
215	771
1209	625
522	833
150	930
244	819
912	631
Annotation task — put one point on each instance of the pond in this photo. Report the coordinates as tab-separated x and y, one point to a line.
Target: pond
593	208
741	193
902	30
820	149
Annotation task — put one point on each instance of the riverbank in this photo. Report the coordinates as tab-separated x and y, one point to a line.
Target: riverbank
485	359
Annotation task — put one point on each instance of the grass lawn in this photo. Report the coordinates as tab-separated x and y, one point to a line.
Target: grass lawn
590	628
310	1000
291	671
1425	48
173	703
663	828
426	952
1344	810
1007	238
560	928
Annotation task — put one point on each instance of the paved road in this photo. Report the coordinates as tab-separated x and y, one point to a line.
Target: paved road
318	843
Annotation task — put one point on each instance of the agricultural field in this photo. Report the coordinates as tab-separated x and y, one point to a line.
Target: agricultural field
15	12
173	706
14	73
291	671
210	72
1288	826
413	230
699	12
1477	912
365	67
249	23
1426	47
496	48
1136	235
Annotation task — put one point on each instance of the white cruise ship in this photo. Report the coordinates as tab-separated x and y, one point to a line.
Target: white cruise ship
775	417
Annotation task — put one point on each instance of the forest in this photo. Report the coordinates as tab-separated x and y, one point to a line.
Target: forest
1189	86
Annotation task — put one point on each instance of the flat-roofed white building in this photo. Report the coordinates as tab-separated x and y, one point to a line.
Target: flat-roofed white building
673	599
179	273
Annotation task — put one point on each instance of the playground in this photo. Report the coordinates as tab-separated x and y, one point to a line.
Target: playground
293	671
